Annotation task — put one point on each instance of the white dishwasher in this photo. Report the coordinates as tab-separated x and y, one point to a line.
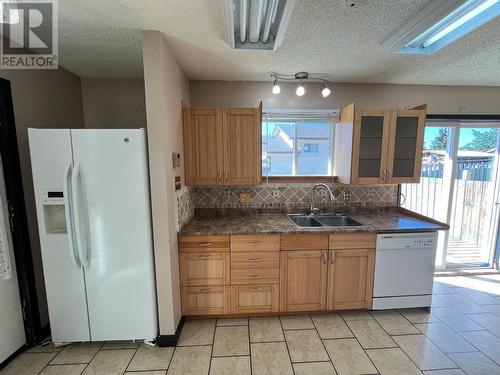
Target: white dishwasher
404	270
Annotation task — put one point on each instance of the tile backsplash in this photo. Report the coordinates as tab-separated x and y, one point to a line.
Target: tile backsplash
281	196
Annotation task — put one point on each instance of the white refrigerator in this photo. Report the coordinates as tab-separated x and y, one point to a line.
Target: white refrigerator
93	209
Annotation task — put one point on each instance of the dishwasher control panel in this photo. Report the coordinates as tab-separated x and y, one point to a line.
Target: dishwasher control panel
407	241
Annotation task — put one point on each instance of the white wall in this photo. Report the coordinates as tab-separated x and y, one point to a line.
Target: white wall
441	99
165	85
113	103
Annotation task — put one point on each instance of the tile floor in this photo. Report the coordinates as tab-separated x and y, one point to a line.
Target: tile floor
460	335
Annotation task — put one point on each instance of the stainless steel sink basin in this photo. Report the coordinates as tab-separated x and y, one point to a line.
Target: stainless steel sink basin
322	220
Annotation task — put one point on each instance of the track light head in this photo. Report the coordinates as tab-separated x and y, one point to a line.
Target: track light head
300	89
276	87
325	91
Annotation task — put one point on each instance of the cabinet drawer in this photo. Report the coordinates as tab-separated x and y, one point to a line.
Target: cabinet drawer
353	241
206	300
202	243
255	276
255	259
255	298
255	243
304	242
208	268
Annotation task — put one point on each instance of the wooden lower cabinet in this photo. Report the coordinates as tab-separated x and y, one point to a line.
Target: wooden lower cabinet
303	280
258	298
350	279
255	275
214	300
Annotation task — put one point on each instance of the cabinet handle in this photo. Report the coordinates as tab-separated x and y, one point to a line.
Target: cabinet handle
332	256
323	257
204	256
389	175
385	175
207	290
220	176
255	259
255	289
227	176
256	242
255	276
205	244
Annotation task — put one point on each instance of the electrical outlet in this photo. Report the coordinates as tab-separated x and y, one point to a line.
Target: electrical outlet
245	197
226	193
346	196
275	193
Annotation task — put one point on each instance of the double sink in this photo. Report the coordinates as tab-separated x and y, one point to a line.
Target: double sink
322	220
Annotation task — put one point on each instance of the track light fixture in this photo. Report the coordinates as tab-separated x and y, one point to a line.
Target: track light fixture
300	89
276	87
325	91
301	76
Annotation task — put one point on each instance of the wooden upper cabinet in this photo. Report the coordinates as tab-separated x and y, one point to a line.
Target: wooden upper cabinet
404	161
242	137
379	146
222	146
203	150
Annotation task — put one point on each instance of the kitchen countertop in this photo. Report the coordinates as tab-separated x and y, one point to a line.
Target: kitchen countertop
239	221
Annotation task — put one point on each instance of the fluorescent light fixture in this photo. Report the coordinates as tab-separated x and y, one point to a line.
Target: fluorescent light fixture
300	89
276	87
256	24
441	23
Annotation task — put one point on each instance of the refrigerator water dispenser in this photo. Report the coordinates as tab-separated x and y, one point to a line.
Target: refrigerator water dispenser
53	212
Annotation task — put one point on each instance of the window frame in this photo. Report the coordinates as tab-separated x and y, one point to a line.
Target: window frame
332	116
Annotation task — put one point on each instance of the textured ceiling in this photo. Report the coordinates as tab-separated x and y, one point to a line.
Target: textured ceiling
103	39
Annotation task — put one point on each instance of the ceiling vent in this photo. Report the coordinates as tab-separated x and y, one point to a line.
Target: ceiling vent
256	24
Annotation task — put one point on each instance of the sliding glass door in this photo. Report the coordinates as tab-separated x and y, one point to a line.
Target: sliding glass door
459	185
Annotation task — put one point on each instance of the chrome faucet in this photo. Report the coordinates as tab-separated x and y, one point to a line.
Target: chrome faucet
312	209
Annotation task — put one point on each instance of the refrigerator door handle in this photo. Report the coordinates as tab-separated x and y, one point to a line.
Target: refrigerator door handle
80	222
68	210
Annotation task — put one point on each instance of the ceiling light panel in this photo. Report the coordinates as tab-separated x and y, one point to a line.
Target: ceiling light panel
441	23
256	24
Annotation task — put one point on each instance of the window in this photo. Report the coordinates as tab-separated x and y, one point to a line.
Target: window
297	144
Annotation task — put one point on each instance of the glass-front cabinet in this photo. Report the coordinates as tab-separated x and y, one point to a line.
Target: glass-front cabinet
379	146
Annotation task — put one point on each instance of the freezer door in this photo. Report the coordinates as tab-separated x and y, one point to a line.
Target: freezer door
51	161
112	194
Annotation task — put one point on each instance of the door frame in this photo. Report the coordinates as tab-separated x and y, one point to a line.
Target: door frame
18	218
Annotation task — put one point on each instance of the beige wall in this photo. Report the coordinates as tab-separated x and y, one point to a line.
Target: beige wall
165	85
42	99
113	103
441	99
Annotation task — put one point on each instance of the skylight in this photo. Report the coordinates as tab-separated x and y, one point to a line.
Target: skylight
442	23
